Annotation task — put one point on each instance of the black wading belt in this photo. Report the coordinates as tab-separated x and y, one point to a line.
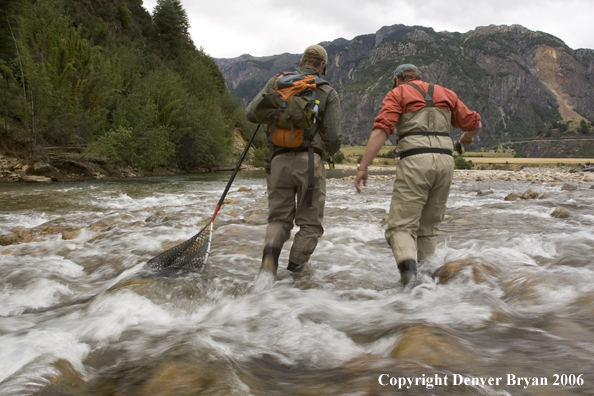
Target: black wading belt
424	150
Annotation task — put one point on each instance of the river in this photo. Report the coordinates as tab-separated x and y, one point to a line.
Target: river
510	310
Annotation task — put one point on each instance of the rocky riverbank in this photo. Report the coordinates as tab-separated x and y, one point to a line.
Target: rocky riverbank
73	166
536	174
16	170
63	170
13	169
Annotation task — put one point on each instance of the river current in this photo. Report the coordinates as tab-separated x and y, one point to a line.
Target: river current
505	307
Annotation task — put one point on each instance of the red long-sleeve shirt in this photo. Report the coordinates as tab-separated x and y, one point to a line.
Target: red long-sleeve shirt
406	99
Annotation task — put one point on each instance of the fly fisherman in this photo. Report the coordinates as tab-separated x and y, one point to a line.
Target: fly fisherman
299	172
422	114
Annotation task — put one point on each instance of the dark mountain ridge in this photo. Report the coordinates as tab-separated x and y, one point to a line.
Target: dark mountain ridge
520	81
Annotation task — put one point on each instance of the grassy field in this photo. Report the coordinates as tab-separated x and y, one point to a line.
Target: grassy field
478	158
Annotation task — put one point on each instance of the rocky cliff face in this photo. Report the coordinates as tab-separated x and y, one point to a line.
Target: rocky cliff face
519	80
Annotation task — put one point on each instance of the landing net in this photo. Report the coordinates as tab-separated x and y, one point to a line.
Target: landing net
191	254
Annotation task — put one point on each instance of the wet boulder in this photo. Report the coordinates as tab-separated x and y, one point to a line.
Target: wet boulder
181	378
466	270
531	194
513	197
525	286
25	235
568	187
256	219
18	235
9	239
560	213
55	229
69	235
434	346
68	381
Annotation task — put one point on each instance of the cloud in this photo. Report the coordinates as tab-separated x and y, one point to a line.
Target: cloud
226	29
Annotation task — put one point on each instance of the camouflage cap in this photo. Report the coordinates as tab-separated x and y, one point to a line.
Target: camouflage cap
317	52
400	69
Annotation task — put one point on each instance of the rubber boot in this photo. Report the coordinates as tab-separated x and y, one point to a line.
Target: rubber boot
270	259
408	269
295	268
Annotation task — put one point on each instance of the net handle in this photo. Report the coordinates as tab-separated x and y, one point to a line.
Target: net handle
245	150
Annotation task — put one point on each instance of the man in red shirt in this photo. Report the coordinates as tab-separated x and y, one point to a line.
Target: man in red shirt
422	114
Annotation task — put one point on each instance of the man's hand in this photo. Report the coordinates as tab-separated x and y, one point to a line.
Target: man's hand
467	136
465	140
361	175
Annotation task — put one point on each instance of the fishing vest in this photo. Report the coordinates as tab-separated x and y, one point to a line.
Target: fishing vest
426	130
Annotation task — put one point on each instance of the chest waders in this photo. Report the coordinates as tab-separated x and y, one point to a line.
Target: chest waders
409	126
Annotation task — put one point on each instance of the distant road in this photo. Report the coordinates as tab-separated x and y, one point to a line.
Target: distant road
536	161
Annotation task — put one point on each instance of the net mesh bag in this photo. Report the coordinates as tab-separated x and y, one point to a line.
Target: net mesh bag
191	254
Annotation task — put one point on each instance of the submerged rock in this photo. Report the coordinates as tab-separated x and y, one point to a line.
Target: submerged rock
68	382
9	239
180	378
69	235
434	346
568	187
470	269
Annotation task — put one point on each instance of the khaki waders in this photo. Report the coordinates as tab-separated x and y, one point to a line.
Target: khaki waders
287	187
422	184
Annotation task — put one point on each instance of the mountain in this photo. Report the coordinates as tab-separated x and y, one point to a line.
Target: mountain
520	81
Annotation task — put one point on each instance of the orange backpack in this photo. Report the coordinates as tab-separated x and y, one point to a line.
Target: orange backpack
290	110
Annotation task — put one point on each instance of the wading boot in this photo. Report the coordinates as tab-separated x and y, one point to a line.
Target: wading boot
408	269
295	268
270	260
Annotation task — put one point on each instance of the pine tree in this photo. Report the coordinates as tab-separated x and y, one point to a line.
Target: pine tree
171	30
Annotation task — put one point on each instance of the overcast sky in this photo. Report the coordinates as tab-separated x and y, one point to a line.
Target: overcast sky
229	28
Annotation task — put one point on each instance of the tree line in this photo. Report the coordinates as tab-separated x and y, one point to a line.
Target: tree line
114	79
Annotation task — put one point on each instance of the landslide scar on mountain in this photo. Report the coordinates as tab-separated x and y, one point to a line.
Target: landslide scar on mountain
549	71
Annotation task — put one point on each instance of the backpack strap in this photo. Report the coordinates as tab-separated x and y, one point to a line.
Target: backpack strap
310	178
428	96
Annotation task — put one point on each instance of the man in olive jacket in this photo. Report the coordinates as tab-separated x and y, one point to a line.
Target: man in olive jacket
288	176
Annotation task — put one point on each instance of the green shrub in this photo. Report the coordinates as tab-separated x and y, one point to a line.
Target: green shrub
461	163
144	150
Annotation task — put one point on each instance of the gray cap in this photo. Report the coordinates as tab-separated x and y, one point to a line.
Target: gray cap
400	69
317	52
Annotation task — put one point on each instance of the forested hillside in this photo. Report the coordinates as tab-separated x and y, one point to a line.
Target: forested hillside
113	81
